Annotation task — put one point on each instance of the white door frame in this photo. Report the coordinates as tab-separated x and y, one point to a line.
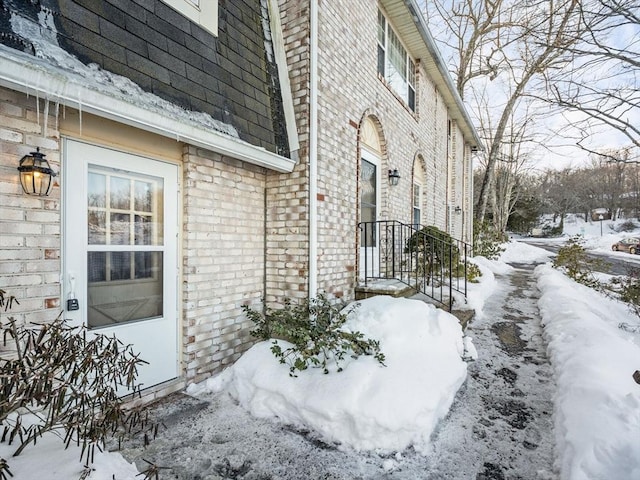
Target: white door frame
156	338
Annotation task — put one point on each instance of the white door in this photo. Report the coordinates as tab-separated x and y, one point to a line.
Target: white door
369	213
120	251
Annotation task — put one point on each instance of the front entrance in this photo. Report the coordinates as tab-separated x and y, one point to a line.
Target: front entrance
369	212
120	251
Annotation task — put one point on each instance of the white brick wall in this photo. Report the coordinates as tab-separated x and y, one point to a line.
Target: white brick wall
223	258
29	226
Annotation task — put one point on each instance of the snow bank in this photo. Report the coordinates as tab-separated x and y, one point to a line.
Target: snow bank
367	406
49	459
597	405
518	252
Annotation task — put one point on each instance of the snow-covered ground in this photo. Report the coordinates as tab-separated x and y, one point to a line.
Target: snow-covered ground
388	409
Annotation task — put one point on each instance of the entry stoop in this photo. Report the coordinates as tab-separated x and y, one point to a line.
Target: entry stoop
391	287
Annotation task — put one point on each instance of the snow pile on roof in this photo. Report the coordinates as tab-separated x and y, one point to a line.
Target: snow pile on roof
367	406
42	36
597	405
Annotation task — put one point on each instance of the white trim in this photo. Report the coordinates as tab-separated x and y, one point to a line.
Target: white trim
203	12
283	75
34	76
313	150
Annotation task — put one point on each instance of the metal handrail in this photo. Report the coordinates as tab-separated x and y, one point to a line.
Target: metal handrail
432	265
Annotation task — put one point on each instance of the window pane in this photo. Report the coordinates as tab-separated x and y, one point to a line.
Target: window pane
412	73
97	190
411	100
120	229
416	216
96	266
397	55
144	230
382	25
146	264
381	61
97	220
120	266
120	193
143	196
129	299
368	184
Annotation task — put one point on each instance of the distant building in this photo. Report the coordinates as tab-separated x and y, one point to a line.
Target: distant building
598	214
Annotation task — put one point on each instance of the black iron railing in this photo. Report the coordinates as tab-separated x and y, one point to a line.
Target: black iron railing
430	262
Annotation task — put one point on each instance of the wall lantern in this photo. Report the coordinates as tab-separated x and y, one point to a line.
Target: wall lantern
394	176
35	174
458	209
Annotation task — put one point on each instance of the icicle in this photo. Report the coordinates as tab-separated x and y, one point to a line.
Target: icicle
45	119
57	113
38	108
80	113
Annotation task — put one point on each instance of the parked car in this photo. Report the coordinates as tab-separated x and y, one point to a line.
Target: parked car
631	245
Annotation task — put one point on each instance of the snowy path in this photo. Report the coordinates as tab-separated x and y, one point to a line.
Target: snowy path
499	428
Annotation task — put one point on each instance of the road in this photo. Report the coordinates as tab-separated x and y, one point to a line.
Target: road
615	263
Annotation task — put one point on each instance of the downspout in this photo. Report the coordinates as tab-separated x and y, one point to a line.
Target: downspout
313	150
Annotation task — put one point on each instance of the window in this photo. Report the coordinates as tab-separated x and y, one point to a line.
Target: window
417	201
394	64
202	12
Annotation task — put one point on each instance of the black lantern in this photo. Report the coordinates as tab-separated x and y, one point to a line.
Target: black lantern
36	174
394	176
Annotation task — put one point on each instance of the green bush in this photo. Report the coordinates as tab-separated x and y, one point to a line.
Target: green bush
488	241
57	378
573	260
473	273
435	243
315	328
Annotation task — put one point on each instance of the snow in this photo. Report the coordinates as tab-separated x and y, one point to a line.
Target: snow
367	406
391	410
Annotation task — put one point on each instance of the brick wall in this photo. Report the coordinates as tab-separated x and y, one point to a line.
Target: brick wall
349	91
29	225
287	218
223	258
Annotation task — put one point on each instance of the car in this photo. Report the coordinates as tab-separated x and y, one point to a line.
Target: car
630	244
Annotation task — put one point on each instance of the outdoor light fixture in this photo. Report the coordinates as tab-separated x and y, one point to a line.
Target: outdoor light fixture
394	176
458	209
35	174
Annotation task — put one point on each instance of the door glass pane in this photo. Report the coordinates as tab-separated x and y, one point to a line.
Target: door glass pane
120	229
129	212
124	209
124	287
120	194
368	201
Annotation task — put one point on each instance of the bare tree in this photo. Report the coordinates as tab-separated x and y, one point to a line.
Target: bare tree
513	43
602	82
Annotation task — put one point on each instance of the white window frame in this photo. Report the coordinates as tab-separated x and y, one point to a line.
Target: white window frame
202	12
403	83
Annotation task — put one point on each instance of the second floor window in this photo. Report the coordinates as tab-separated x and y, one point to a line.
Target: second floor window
394	64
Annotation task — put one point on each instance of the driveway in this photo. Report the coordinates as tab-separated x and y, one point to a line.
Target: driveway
499	427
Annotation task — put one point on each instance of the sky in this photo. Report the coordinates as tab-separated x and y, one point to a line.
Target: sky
556	133
597	403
